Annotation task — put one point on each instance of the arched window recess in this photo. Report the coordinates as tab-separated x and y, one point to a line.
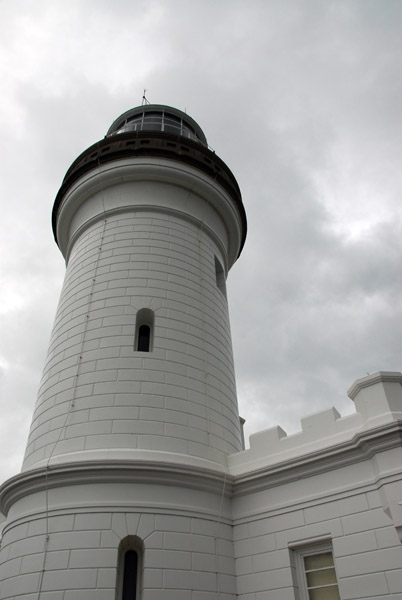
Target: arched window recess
144	330
220	277
129	568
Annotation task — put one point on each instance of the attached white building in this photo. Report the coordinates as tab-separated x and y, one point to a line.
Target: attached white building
135	483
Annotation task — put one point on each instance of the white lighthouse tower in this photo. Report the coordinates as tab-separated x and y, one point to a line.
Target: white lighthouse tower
124	493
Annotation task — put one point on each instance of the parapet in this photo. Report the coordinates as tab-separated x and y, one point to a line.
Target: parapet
378	402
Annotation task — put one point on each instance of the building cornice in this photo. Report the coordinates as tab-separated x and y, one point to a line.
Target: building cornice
373	379
113	472
363	446
154	144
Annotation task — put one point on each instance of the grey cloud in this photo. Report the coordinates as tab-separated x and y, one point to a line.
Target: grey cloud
301	101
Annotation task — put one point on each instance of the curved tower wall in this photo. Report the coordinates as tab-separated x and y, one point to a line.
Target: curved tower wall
144	234
127	446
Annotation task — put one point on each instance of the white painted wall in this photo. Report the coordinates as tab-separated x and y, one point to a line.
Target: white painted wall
339	480
139	243
188	548
125	442
210	534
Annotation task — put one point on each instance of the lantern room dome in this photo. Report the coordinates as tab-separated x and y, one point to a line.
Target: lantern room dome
158	117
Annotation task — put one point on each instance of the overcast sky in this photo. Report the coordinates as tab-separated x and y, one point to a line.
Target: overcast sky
302	99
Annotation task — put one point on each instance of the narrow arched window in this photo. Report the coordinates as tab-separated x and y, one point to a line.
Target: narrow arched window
144	330
220	277
129	568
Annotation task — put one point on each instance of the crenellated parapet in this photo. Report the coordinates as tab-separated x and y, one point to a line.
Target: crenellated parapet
378	402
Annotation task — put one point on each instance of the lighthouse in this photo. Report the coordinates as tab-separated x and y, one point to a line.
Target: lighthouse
124	491
135	483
